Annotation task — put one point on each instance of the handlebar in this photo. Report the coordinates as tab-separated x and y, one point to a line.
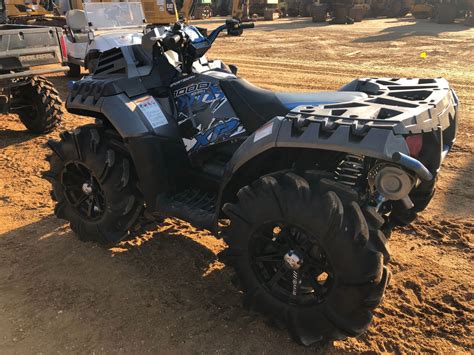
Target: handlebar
172	40
231	24
190	48
175	38
247	25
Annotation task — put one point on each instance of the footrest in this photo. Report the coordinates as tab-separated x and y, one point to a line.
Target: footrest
194	206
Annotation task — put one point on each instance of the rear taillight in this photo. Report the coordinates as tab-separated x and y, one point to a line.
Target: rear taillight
63	48
415	143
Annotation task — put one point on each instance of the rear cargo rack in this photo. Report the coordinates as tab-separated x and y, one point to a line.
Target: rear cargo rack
407	106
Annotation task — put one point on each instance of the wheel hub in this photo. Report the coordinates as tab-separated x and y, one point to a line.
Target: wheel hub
293	260
87	188
83	191
289	262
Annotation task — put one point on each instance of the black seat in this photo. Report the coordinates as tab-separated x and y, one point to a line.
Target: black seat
255	106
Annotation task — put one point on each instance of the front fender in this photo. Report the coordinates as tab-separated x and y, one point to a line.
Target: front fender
153	140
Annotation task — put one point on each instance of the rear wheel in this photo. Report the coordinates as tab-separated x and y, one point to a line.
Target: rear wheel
94	185
38	105
306	259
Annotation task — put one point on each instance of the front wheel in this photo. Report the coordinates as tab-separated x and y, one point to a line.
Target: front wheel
306	259
38	105
94	184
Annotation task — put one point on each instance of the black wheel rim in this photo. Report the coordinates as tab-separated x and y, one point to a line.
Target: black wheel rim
273	250
83	191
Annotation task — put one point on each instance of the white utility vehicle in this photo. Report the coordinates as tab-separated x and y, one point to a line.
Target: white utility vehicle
99	27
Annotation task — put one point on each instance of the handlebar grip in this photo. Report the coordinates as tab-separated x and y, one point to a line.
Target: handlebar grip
172	40
247	25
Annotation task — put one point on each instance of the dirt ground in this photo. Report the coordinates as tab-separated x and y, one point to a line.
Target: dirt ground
165	291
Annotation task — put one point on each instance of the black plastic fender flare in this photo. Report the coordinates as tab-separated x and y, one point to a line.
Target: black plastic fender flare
281	132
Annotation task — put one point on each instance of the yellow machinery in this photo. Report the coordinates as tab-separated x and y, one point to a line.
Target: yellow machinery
30	12
245	10
340	11
421	9
156	11
266	8
195	9
160	12
390	8
163	12
444	11
349	11
240	9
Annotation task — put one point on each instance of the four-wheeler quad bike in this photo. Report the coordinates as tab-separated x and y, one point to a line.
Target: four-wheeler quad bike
306	187
22	88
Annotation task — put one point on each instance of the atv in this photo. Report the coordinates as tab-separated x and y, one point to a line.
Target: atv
304	188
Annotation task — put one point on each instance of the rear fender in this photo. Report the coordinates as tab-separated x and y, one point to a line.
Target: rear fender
283	134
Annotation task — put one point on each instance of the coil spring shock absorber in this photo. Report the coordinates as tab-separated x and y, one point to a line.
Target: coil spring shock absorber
350	169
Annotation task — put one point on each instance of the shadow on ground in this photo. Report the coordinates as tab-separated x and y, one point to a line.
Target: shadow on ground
290	24
10	137
414	28
456	183
164	293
